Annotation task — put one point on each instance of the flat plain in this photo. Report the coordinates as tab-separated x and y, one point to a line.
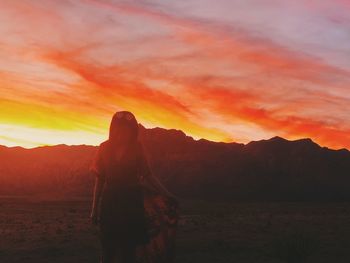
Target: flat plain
35	230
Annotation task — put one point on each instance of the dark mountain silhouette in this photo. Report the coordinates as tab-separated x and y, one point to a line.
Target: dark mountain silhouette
274	169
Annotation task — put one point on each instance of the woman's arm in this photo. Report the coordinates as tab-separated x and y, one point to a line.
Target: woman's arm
99	182
158	186
97	170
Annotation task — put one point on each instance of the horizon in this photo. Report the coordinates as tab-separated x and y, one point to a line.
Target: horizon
230	72
198	139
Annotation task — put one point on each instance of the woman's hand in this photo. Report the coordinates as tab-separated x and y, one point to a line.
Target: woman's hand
160	188
172	198
94	218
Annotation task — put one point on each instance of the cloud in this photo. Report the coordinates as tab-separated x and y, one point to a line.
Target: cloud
223	78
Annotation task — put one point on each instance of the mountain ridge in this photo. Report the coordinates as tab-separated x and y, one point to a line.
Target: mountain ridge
182	133
270	169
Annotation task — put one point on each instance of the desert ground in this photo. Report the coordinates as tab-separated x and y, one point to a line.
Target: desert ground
37	230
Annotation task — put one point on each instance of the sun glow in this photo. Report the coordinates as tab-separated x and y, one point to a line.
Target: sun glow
236	71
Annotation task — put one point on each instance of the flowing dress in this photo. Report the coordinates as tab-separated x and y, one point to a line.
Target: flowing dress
130	210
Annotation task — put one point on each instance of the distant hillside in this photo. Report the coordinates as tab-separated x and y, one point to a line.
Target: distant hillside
274	169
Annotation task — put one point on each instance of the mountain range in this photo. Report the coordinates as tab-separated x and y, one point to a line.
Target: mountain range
274	169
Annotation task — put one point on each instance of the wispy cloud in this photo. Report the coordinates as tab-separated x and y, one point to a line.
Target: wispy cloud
239	70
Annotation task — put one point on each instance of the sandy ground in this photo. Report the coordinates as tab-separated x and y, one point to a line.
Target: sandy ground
35	231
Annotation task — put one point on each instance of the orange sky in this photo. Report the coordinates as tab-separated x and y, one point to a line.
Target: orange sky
233	71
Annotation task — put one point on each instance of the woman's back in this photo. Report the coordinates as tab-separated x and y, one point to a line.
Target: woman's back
122	201
123	172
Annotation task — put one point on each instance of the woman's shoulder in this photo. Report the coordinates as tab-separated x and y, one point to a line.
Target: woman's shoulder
102	147
103	144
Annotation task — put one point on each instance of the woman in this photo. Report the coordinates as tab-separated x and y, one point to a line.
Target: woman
136	214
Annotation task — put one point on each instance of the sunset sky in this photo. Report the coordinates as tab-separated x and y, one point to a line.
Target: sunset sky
224	70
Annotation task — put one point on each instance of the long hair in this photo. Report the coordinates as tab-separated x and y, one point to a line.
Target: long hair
125	119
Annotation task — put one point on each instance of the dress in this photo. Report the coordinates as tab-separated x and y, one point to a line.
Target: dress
132	212
162	217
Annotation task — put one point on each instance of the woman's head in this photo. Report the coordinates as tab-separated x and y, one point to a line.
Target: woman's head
123	128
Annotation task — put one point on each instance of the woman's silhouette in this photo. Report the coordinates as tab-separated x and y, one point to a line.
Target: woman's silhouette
130	216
